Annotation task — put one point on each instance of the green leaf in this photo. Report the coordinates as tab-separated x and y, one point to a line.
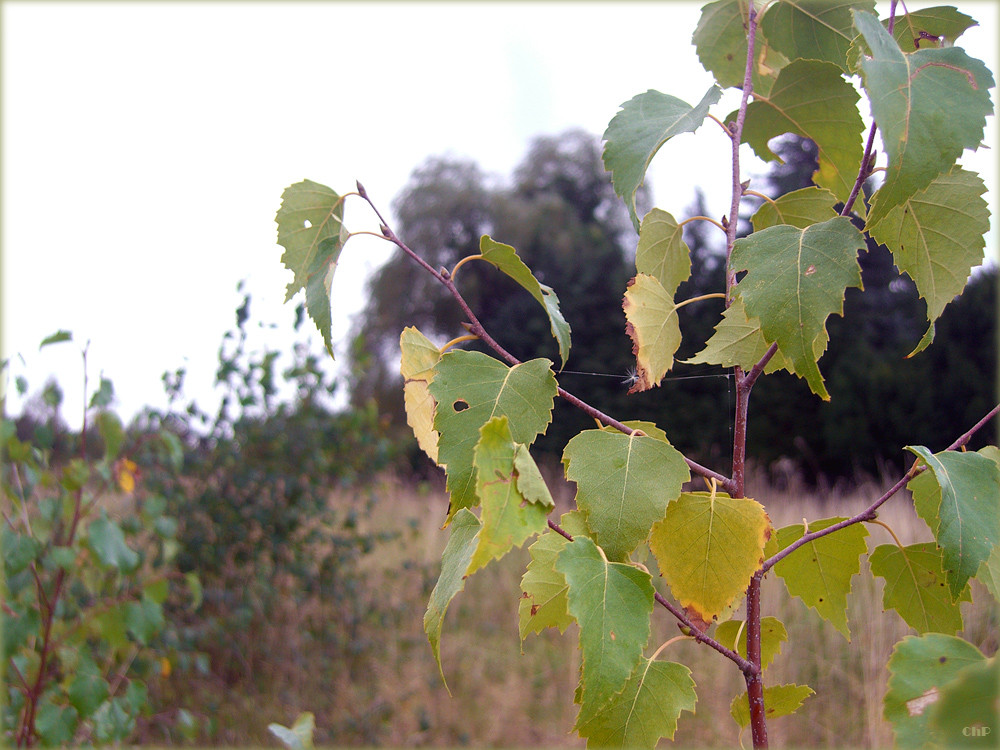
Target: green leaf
911	30
720	40
813	29
107	542
812	99
20	625
112	433
661	251
739	342
989	574
800	208
543	603
419	357
505	258
819	572
646	710
967	713
918	670
56	338
624	483
653	326
612	603
19	550
509	518
311	229
937	237
104	394
634	135
55	724
929	106
470	388
708	545
915	587
462	543
779	700
772	634
959	498
88	690
144	619
795	279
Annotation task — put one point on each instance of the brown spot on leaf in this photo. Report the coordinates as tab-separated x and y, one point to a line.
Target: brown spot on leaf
534	610
811	270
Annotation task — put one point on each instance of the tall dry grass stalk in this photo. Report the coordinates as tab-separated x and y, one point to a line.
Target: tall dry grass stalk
508	694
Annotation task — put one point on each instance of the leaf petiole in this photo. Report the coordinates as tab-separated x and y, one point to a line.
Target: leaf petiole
463	261
459	340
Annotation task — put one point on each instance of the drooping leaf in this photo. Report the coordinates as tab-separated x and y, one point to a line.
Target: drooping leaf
470	388
937	237
505	258
916	588
772	634
530	483
969	708
795	279
779	700
661	251
543	601
419	357
819	572
634	135
107	542
813	29
959	498
509	518
921	29
929	106
462	543
624	483
612	603
646	710
812	99
311	229
708	545
918	670
654	329
800	208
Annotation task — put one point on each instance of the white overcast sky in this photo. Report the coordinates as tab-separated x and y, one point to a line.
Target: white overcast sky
146	145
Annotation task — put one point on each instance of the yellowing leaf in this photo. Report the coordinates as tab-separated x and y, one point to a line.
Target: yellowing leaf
661	251
612	603
799	208
543	602
471	388
419	356
508	517
125	473
645	710
929	106
819	572
779	700
708	545
937	237
795	279
772	633
915	587
624	483
653	328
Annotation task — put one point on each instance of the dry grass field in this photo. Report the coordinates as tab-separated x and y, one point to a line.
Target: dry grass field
508	694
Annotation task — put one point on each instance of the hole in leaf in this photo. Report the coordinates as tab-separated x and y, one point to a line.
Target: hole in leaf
460	405
307	224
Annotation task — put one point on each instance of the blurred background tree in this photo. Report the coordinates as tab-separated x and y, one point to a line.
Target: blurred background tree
561	214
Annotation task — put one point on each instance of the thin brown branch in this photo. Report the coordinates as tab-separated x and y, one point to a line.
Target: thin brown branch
869	513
